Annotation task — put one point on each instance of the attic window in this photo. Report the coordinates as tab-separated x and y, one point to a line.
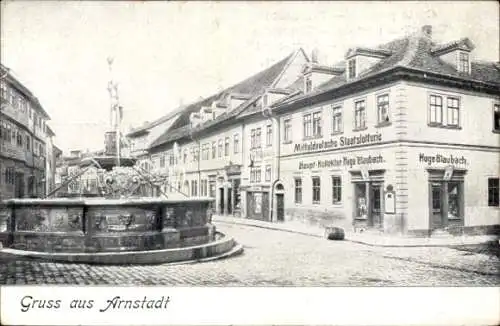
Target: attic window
463	62
308	84
352	68
264	100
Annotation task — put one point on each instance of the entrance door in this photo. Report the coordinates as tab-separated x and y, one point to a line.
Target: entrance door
19	185
221	201
280	207
376	205
436	205
229	204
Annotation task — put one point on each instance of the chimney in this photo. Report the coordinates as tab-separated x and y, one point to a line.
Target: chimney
314	55
427	30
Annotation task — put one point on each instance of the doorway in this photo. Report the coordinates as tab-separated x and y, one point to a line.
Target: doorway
280	207
375	215
446	204
221	201
19	192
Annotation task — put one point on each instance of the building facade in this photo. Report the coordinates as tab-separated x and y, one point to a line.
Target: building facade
398	138
23	136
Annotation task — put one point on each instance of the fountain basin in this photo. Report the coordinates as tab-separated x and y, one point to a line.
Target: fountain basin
99	225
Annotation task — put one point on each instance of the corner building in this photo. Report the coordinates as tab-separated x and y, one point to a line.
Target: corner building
403	137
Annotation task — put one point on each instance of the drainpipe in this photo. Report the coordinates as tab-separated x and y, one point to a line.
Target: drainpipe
276	162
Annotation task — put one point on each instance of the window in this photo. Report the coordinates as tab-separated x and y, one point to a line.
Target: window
185	155
336	119
436	110
308	84
268	172
226	147
308	125
317	124
453	107
316	190
383	109
463	62
3	90
264	100
28	142
493	194
220	148
203	188
255	141
19	139
298	190
236	143
336	190
205	152
214	149
359	115
255	174
194	188
352	68
496	117
287	126
162	161
171	159
269	135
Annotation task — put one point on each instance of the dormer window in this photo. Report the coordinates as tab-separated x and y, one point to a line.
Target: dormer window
264	100
463	62
351	64
308	84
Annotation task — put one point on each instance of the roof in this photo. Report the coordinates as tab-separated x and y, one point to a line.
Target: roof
50	132
416	52
148	125
252	85
23	89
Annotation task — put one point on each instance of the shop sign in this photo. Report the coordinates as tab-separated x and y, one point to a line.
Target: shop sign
342	142
442	159
344	161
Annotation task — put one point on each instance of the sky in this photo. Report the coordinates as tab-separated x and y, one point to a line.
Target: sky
170	53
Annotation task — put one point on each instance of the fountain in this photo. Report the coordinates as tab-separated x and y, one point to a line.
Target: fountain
112	224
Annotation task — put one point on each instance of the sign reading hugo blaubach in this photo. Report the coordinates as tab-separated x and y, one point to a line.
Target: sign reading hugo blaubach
336	143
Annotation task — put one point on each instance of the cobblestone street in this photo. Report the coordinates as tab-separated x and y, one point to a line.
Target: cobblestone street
276	258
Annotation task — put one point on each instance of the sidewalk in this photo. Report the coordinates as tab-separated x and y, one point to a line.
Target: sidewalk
362	238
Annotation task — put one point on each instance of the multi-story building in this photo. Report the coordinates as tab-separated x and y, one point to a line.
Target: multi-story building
402	137
202	153
23	131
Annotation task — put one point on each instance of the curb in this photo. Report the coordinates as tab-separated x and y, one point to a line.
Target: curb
366	243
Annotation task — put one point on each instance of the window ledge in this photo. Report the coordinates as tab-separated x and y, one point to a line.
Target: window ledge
360	129
336	133
312	137
435	125
287	142
316	203
496	131
383	124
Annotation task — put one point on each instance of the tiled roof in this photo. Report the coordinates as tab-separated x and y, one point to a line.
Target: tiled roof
252	85
415	52
156	122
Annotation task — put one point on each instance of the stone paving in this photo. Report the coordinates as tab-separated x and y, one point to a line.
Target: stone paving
276	258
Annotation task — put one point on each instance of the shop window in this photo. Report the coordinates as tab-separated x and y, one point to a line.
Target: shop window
287	134
383	109
337	119
316	190
236	143
496	117
268	172
298	190
336	190
359	115
493	193
269	135
361	210
454	200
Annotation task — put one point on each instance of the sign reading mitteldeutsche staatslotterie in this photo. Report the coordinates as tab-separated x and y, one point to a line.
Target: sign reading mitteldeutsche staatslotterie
343	141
